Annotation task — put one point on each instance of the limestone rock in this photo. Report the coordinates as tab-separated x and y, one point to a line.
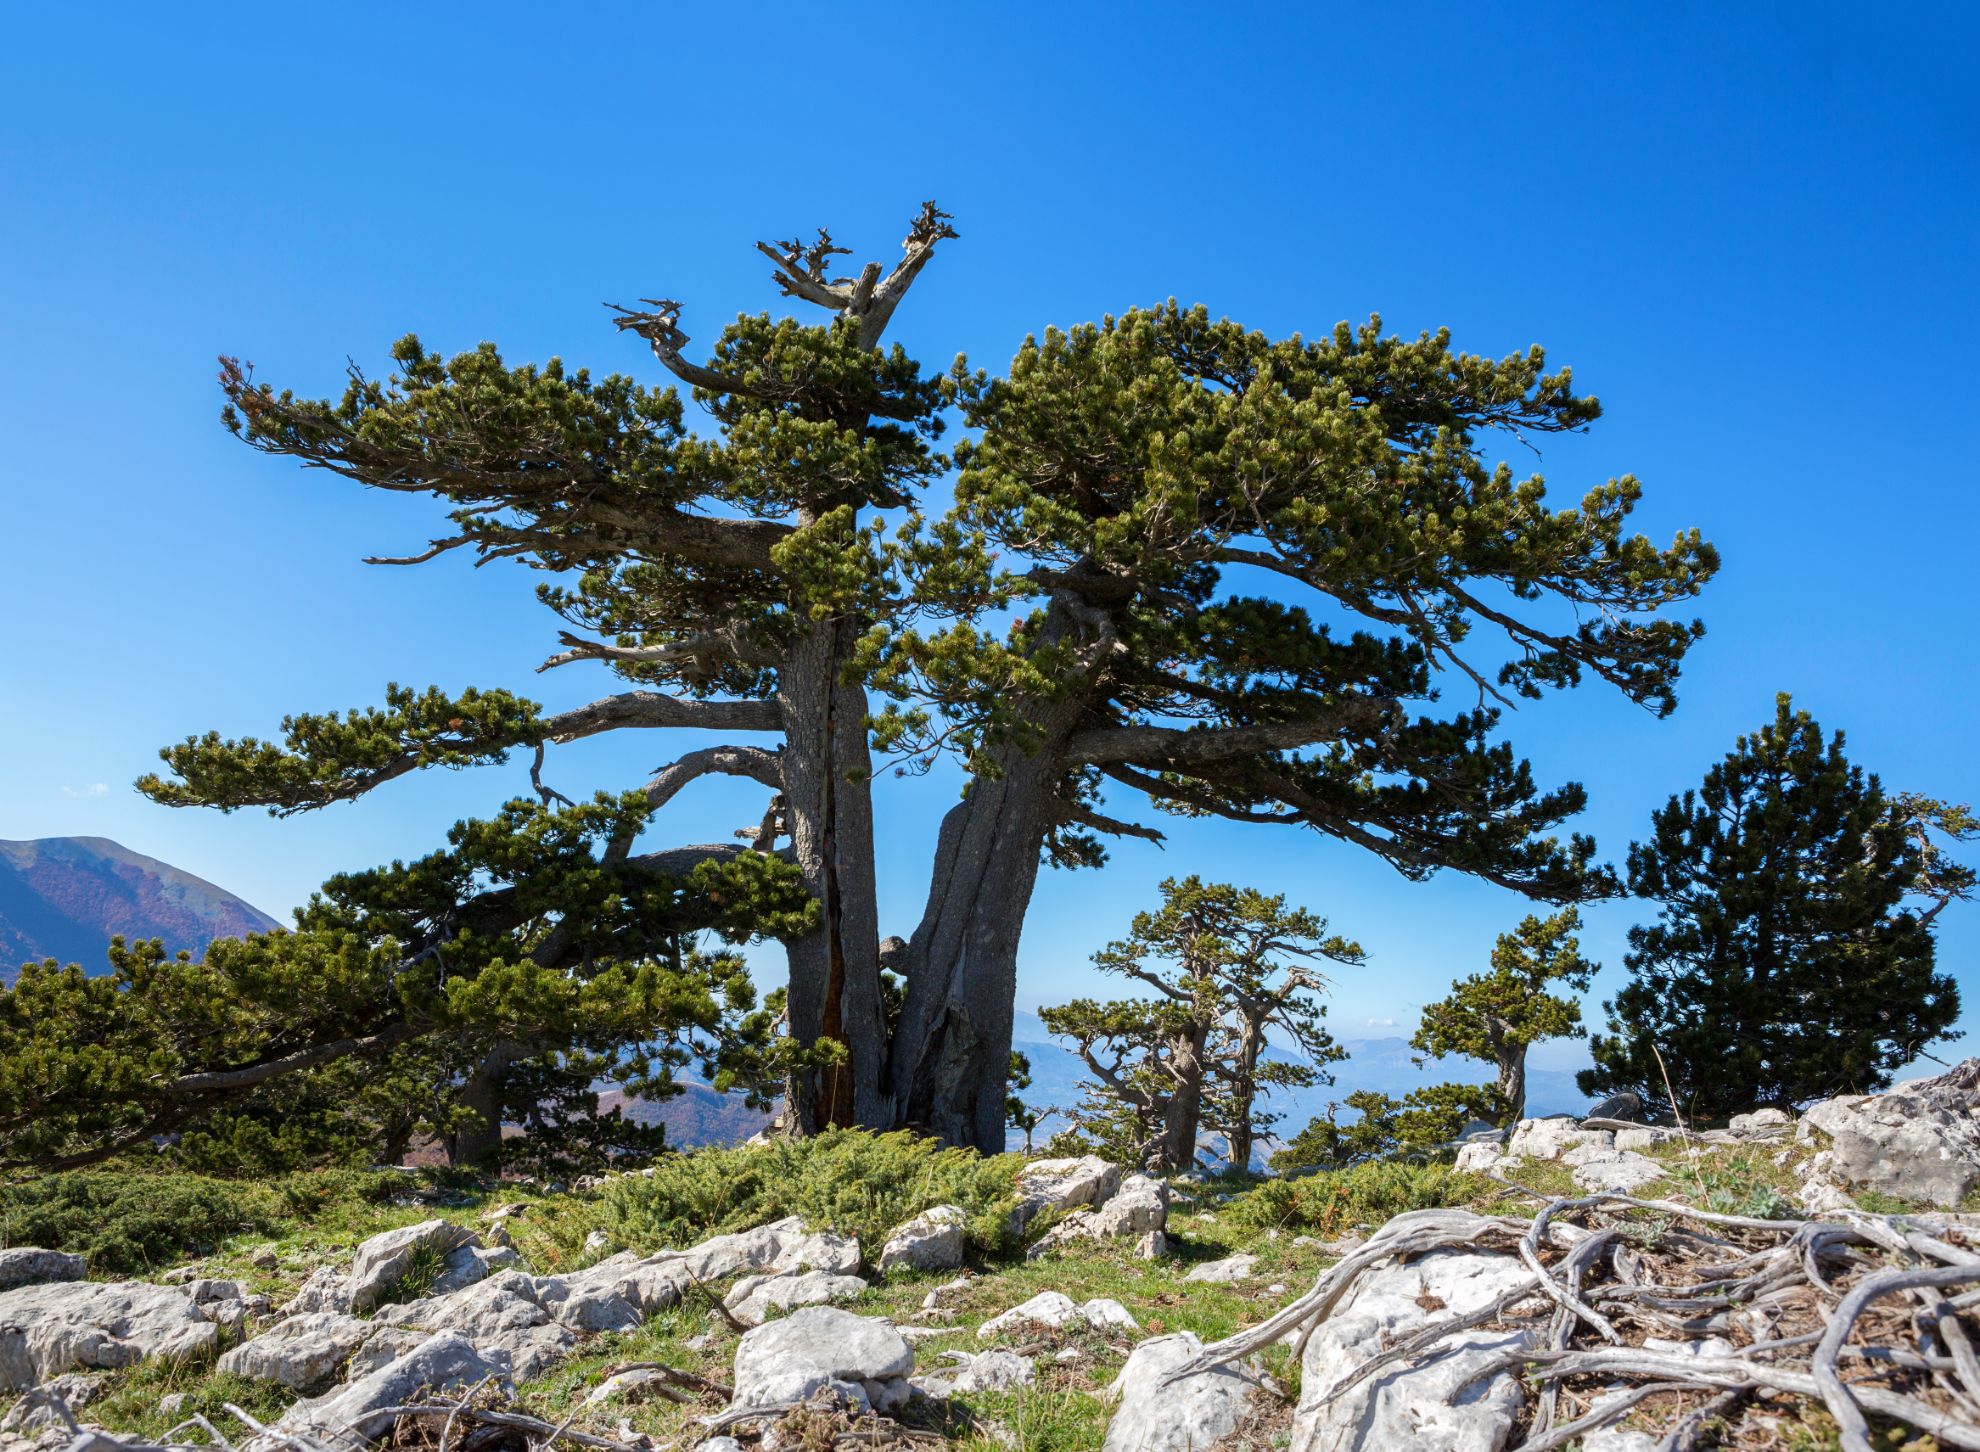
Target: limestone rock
1549	1139
1762	1124
1646	1138
933	1240
1480	1157
440	1363
755	1297
1184	1416
1047	1308
1103	1314
981	1371
59	1326
1139	1209
1223	1272
1053	1309
383	1259
385	1345
1419	1408
821	1348
1919	1140
324	1289
504	1318
1620	1170
1140	1205
76	1389
1062	1184
304	1353
24	1265
783	1245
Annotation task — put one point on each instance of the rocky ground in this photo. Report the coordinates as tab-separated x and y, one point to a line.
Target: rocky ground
1597	1284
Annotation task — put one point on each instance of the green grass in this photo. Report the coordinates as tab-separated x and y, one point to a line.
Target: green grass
862	1185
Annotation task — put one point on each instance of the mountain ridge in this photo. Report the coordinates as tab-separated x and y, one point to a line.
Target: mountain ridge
66	897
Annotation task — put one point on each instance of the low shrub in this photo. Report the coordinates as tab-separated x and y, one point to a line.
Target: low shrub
1337	1201
129	1221
850	1181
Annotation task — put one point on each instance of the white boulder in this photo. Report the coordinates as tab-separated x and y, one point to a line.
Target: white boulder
383	1260
304	1353
25	1265
933	1240
1223	1272
1053	1310
981	1371
1064	1183
1156	1415
1420	1408
57	1326
821	1348
1919	1140
754	1297
1549	1139
355	1410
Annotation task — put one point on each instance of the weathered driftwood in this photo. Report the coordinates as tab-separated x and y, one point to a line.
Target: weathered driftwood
1610	1271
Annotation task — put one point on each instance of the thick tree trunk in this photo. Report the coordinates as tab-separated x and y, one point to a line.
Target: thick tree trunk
1182	1116
951	1055
952	1048
1512	1081
1244	1095
483	1093
835	970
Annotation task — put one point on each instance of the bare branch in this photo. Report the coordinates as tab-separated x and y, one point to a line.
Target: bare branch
649	709
707	652
1179	746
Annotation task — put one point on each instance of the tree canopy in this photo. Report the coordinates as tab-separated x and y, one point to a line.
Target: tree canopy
1785	964
1187	566
1498	1014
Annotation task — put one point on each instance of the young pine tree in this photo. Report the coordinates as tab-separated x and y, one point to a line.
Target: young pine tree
1496	1014
1228	965
1784	964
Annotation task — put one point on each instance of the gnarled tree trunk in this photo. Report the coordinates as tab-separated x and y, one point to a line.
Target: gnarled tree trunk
828	807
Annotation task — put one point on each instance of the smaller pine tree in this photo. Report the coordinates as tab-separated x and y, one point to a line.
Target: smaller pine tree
1784	964
1497	1014
1230	967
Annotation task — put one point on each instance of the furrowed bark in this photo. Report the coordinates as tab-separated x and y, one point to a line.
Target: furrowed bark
952	1048
835	970
483	1093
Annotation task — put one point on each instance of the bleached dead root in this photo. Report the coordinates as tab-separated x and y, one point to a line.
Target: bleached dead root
1814	1300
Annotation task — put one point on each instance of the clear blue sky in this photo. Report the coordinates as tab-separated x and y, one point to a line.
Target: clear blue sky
1749	228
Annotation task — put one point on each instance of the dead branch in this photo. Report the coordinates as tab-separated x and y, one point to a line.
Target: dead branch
1796	1301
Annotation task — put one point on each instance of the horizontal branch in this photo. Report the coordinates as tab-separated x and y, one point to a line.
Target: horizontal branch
1179	746
650	709
717	647
248	1075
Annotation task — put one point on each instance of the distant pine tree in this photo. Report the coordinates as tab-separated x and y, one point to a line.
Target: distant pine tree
1784	965
1497	1014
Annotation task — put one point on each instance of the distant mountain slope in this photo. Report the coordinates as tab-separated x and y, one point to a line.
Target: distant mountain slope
66	897
700	1116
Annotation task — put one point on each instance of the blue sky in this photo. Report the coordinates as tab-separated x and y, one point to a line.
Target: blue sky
1749	229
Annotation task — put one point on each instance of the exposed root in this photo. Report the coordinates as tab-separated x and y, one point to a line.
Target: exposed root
1853	1313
